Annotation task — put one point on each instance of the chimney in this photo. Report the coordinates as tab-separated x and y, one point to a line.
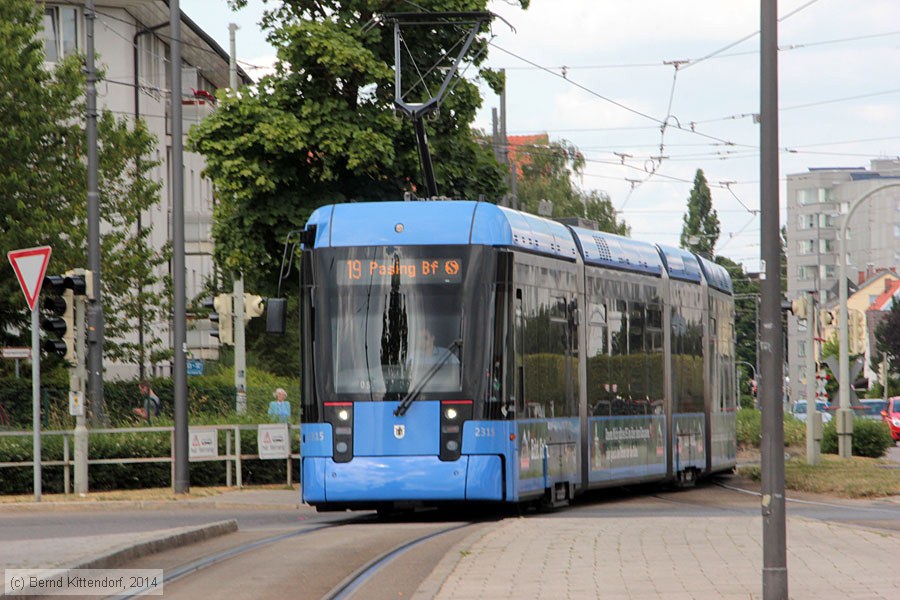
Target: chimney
860	277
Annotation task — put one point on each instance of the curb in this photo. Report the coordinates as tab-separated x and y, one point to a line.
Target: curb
121	555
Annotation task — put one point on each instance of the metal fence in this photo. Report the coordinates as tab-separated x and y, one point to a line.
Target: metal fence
233	457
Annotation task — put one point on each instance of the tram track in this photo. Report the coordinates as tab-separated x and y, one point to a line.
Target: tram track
177	573
356	580
377	555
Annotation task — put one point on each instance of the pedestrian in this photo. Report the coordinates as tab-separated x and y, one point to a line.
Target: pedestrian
151	404
280	408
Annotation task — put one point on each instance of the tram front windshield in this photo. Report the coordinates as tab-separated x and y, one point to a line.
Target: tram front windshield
394	322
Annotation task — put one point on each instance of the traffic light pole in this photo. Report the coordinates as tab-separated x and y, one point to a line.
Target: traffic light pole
76	384
240	353
36	396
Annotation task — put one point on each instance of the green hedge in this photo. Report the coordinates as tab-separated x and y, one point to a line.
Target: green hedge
871	438
210	397
19	480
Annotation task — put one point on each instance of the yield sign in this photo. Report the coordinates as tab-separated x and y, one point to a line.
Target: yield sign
30	266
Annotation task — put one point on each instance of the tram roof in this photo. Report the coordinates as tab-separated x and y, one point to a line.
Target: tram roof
444	222
438	223
716	275
681	264
609	250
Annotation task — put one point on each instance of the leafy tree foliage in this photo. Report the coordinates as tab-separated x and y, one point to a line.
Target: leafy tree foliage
746	292
700	230
323	128
546	173
887	338
44	181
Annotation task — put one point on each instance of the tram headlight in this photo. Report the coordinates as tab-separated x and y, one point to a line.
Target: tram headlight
340	416
454	414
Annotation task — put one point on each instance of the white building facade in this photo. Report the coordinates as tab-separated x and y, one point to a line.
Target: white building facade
132	46
817	204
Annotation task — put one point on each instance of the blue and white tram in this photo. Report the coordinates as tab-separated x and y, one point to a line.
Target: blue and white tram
458	351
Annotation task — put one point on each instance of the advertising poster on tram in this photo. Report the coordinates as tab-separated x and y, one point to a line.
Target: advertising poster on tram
627	446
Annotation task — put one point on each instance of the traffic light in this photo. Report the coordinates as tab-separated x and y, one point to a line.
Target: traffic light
58	304
254	306
81	282
223	316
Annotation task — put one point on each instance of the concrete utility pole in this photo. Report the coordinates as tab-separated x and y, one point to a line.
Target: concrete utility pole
240	346
844	412
775	580
179	276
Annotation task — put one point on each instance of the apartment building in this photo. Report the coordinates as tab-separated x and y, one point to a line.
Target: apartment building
132	44
817	204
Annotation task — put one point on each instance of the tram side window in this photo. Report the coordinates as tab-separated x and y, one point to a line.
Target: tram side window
545	354
655	358
599	361
687	359
618	373
637	361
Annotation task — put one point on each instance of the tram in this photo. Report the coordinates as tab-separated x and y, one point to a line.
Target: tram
461	352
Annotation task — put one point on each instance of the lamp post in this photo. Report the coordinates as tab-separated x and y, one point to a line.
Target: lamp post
844	414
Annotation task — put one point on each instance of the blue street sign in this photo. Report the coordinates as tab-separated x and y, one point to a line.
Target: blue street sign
195	366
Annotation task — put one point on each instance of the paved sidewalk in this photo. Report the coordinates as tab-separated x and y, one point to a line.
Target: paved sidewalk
714	558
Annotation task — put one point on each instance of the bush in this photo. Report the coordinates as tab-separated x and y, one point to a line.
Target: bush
871	438
749	427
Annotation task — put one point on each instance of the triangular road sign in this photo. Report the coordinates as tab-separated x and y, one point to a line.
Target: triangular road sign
30	266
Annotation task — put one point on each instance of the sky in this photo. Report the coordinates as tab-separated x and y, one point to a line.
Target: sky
606	75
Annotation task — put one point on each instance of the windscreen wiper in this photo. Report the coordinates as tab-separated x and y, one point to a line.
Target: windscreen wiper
413	394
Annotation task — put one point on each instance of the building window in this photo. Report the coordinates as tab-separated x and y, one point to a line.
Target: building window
60	32
826	272
827	246
806	273
801	349
806	246
812	196
807	221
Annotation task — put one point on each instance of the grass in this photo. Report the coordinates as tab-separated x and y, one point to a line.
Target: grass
855	477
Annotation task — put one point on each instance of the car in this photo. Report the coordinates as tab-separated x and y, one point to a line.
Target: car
891	416
799	410
870	409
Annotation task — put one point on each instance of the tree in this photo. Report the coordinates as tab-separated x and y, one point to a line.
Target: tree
44	181
887	338
323	128
700	230
545	172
